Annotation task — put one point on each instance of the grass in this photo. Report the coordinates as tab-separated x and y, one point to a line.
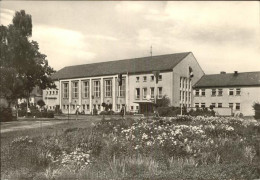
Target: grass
34	158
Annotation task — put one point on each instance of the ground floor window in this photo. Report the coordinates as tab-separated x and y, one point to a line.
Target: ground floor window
237	106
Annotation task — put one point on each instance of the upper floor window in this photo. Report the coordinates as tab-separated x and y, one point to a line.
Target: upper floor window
213	92
197	92
159	92
238	91
121	89
160	77
231	92
137	93
230	105
180	82
144	78
97	88
75	90
65	90
220	92
152	78
203	93
137	79
108	88
144	93
86	89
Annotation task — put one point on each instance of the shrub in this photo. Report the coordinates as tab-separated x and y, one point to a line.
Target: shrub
201	112
168	111
6	114
106	113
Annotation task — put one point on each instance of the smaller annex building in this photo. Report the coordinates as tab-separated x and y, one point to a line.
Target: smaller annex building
236	92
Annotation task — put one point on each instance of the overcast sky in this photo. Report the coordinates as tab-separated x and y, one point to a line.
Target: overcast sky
223	36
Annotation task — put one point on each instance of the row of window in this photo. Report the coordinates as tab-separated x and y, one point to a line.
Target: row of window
51	92
151	78
95	106
145	93
96	89
185	83
185	96
218	92
235	106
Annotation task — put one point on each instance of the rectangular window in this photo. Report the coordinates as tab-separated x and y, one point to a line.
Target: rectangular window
231	92
75	90
186	96
68	106
137	107
83	106
137	93
230	105
99	107
238	91
220	92
73	106
152	78
121	89
56	92
203	93
137	79
132	107
152	92
65	90
160	77
213	92
237	106
86	89
190	96
64	106
144	93
197	105
96	88
144	78
183	83
187	83
197	92
87	106
180	82
220	105
108	88
202	105
159	92
181	96
213	105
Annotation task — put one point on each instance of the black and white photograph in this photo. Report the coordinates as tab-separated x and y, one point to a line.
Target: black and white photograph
130	90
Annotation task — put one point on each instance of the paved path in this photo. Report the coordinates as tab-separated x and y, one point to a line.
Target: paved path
23	125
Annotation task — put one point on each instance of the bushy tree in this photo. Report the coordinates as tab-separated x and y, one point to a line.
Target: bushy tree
41	103
163	102
22	65
256	107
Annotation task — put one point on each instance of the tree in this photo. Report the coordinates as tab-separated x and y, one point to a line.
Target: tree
22	65
41	103
163	102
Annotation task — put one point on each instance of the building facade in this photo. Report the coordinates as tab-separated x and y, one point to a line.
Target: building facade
87	87
228	94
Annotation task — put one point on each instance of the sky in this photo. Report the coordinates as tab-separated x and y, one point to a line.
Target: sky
223	36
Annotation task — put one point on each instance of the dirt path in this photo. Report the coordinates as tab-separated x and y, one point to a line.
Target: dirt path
23	125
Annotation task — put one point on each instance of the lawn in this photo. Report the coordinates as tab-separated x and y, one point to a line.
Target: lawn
181	147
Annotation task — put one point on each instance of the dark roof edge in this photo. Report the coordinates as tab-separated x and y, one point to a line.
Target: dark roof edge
228	86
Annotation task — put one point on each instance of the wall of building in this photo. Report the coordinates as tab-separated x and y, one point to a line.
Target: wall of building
165	83
247	97
51	97
182	70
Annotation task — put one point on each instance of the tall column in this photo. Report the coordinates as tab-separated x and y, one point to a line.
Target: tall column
90	95
101	93
69	96
114	94
127	92
80	93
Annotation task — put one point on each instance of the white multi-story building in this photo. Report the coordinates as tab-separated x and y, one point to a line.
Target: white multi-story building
88	86
234	91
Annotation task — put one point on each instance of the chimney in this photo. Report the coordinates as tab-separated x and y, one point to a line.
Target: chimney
222	72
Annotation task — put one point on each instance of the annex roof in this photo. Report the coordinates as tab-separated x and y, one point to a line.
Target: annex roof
131	66
229	80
